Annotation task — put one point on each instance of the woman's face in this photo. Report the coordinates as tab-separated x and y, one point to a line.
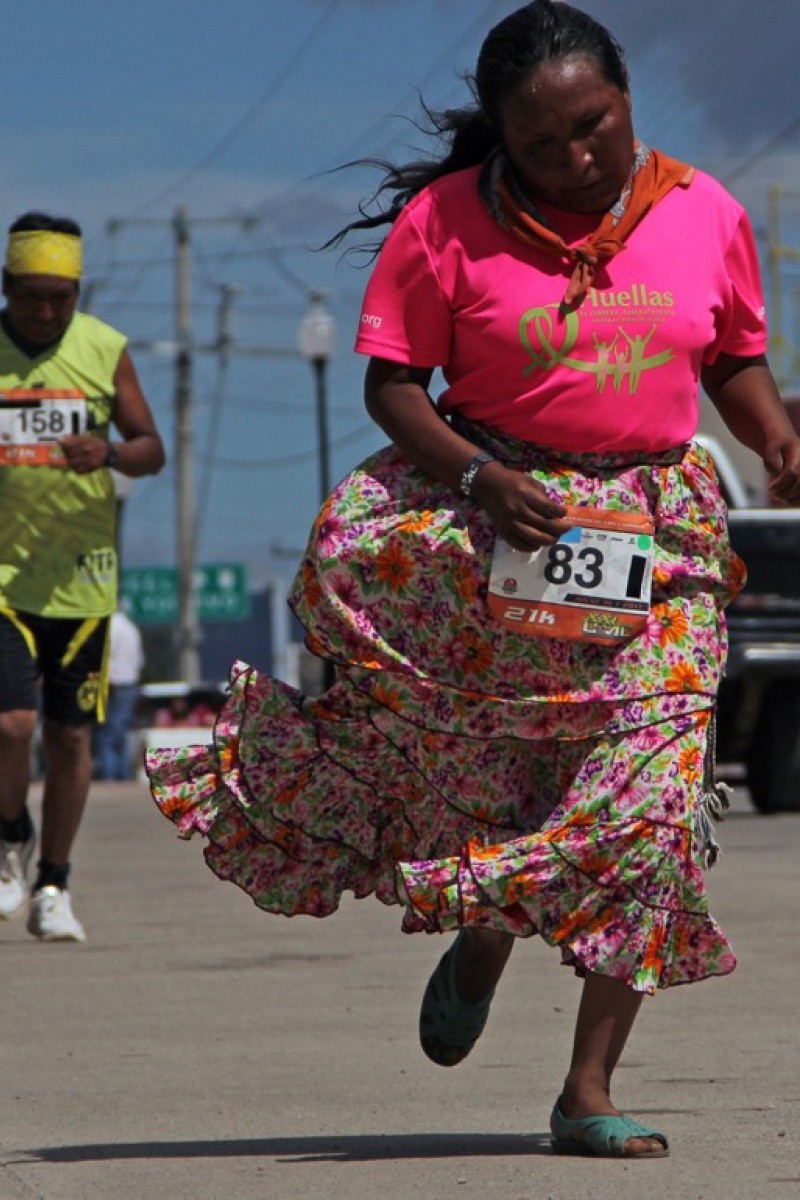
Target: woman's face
569	134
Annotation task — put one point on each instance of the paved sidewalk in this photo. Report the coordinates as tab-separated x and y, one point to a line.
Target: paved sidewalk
195	1048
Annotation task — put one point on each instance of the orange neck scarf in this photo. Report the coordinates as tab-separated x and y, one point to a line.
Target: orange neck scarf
652	176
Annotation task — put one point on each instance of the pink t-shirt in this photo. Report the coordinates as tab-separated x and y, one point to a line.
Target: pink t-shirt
451	289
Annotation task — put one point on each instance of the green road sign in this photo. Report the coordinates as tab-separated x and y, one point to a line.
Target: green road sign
150	594
222	593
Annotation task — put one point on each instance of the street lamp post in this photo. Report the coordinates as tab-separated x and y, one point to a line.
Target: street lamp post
315	340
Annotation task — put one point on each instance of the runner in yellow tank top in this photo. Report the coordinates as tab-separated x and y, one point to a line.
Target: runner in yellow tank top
65	380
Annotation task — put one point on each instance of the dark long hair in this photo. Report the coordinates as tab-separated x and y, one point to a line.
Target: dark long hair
543	31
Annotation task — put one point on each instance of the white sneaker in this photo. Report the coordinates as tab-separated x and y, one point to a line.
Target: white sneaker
51	918
14	859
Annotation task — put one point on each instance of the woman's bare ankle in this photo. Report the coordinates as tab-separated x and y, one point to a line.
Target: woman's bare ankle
583	1096
482	957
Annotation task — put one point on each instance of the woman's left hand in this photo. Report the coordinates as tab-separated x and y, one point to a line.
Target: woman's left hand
783	466
746	395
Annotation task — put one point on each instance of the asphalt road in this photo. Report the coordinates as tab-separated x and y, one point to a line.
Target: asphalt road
196	1048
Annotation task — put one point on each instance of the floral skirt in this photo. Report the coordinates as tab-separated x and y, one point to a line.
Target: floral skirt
471	773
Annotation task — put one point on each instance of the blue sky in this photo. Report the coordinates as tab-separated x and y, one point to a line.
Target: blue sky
118	113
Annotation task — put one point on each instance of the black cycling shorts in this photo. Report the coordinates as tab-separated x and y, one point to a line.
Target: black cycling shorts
60	661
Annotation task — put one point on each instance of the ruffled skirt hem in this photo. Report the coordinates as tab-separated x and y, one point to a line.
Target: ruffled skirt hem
620	895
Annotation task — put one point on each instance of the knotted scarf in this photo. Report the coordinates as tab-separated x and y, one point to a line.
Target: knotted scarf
652	176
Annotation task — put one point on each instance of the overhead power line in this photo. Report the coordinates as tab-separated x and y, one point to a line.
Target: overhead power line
753	160
219	147
357	147
290	460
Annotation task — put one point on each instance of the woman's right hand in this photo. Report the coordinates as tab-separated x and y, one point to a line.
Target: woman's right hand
518	507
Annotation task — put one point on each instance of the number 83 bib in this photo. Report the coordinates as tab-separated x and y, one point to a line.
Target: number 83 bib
592	585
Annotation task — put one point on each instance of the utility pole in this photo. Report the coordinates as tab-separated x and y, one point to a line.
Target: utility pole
315	345
183	348
188	628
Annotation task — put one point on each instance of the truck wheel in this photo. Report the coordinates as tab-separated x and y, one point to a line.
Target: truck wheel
773	761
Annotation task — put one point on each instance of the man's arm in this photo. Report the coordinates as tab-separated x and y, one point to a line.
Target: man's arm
141	452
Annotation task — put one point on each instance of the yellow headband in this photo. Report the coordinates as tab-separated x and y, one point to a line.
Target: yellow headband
43	252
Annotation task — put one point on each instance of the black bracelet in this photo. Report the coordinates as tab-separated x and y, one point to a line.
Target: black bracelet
112	457
470	472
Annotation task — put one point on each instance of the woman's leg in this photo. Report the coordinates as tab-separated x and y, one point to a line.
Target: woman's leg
452	1015
482	957
606	1014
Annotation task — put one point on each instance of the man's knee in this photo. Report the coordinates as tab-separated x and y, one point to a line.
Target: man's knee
16	727
65	740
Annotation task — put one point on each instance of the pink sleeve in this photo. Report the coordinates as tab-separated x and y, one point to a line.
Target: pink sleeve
741	324
405	316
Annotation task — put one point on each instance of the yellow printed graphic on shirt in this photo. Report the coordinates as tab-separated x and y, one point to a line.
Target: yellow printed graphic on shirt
619	360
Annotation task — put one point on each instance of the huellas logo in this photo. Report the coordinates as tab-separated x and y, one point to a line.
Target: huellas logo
549	338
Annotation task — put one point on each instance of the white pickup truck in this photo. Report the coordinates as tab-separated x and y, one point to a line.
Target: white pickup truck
759	705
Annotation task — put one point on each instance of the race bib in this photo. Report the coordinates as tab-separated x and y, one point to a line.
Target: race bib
592	585
33	419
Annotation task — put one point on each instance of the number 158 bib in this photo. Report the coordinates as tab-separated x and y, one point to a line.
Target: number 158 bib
32	420
592	585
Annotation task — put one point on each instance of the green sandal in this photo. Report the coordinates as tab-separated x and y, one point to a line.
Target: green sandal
448	1027
602	1136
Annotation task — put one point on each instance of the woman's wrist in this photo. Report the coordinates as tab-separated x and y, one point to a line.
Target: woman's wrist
471	472
490	478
